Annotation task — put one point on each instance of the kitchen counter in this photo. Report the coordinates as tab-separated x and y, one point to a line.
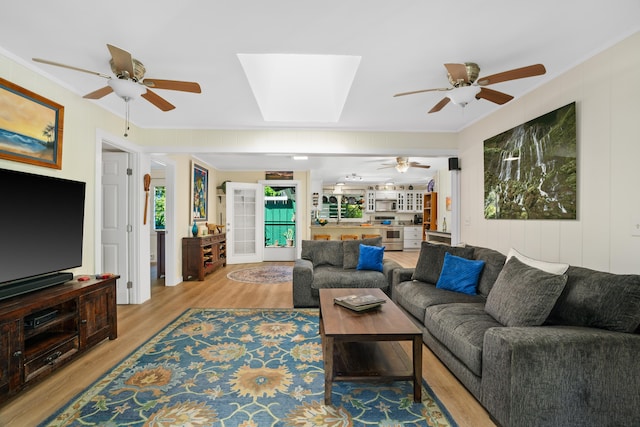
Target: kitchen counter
359	227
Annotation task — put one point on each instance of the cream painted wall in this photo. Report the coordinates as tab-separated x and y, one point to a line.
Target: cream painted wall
608	110
81	120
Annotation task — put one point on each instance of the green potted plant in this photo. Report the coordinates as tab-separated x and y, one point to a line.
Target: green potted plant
288	235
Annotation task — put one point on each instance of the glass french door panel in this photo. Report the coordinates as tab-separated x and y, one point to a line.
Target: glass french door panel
244	218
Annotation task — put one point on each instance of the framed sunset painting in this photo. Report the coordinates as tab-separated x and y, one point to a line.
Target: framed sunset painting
30	127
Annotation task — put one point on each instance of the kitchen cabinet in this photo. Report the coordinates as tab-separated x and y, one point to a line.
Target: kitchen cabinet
371	201
410	201
413	237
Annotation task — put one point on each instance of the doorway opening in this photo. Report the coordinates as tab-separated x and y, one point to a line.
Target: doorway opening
280	226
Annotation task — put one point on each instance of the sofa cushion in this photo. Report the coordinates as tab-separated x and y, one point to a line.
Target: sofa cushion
599	299
549	267
416	296
459	274
431	259
493	263
326	276
461	328
322	252
523	295
370	258
351	250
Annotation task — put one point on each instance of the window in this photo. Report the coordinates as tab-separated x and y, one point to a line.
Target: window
159	198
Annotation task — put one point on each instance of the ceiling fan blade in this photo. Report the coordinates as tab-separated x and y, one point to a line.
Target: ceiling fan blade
518	73
494	96
458	72
122	60
387	167
418	165
173	85
423	90
97	94
440	105
57	64
158	101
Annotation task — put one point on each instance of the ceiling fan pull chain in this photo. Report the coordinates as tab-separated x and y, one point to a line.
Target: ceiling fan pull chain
126	129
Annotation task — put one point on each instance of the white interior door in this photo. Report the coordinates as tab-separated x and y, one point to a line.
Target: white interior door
245	234
115	221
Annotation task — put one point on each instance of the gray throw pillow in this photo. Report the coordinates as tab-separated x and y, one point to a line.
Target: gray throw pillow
322	252
431	259
351	250
523	295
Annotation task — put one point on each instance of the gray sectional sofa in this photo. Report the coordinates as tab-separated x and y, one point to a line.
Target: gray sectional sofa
332	264
535	348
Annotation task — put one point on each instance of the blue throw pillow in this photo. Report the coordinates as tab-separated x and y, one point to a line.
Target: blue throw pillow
460	274
370	257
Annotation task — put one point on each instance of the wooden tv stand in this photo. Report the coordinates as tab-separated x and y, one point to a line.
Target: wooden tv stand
44	329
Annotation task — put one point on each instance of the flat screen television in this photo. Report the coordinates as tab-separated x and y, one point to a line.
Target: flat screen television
41	231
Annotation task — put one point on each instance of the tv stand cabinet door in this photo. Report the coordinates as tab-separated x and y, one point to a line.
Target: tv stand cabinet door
98	315
10	357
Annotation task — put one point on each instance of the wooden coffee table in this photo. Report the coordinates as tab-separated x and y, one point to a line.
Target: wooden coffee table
364	346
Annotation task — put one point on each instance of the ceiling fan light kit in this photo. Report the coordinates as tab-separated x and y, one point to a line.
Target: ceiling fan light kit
402	167
127	89
463	94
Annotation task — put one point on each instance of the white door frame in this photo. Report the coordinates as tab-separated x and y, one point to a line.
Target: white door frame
140	253
284	254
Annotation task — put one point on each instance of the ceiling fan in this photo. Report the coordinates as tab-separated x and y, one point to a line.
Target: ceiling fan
465	84
128	81
403	164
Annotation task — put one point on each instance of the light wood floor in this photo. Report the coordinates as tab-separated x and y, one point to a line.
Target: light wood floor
137	323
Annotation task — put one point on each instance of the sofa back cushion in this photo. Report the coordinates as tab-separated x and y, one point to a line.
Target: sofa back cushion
351	249
322	252
431	259
493	263
523	295
599	299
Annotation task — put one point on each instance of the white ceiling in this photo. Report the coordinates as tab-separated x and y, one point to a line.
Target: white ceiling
403	44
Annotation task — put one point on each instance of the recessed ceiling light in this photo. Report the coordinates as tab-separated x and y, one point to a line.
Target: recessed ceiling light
300	88
300	157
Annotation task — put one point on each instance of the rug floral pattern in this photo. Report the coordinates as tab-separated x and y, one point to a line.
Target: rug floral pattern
244	368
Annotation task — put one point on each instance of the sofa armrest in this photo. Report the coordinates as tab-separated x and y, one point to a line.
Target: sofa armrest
388	267
302	279
565	375
402	275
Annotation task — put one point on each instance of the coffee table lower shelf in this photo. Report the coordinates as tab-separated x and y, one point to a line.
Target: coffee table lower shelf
371	361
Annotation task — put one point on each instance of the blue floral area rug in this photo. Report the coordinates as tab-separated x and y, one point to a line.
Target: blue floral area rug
244	368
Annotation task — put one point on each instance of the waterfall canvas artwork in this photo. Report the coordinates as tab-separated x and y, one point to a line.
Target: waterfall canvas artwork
530	171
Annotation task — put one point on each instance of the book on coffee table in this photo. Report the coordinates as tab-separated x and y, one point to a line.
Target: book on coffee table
359	302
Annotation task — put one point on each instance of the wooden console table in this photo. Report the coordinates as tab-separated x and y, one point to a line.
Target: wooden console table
44	329
202	255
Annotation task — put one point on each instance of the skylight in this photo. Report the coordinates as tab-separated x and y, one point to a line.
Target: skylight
300	88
